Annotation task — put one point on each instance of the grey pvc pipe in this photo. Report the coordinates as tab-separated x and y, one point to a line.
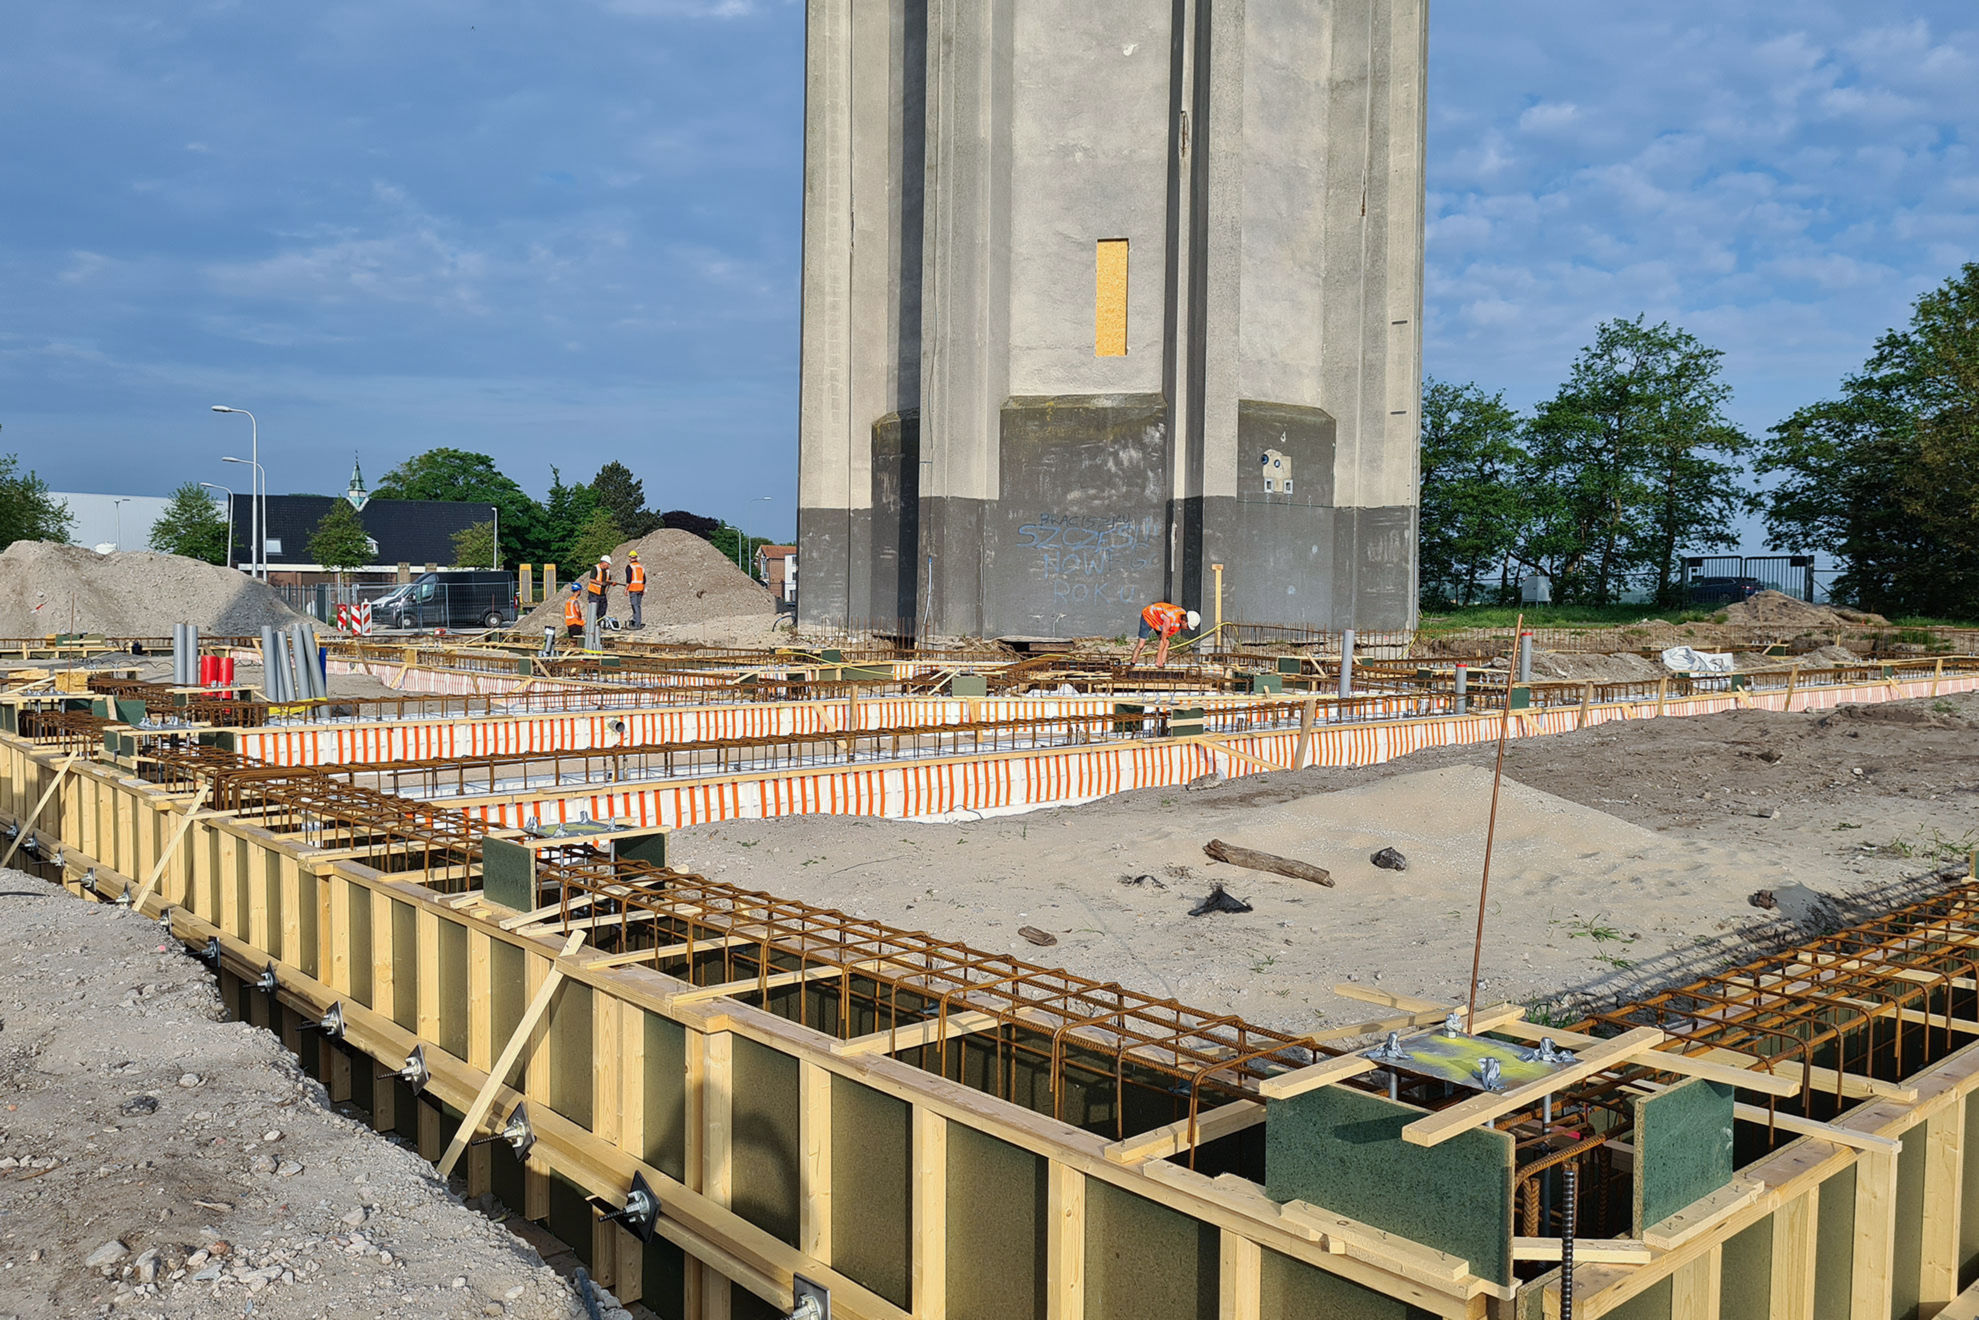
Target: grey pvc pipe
1525	657
1347	663
1463	689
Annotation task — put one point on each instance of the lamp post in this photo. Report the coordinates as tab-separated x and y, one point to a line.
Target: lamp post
742	537
258	497
230	516
118	502
259	548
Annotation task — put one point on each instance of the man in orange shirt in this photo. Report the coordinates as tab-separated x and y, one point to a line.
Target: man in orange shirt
1162	620
573	614
635	587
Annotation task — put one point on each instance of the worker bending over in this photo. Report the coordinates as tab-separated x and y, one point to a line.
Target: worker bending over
1163	620
635	587
573	614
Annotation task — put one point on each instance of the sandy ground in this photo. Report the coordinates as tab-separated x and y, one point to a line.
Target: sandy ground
1626	857
157	1160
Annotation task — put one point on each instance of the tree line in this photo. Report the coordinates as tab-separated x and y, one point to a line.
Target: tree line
1633	463
572	526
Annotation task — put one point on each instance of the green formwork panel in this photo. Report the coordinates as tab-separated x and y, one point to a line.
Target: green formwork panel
572	1066
508	874
1520	697
453	988
968	685
666	1096
1343	1149
405	963
663	1285
1291	664
765	1155
1293	1290
648	848
1745	1287
1968	1220
1834	1246
996	1228
1185	722
1145	1261
1907	1251
1684	1139
1267	683
872	1142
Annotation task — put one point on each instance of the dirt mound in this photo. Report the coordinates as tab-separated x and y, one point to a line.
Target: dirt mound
687	581
1574	666
1906	714
48	588
1776	609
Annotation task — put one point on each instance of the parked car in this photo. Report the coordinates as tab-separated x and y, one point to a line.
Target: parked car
1723	590
464	598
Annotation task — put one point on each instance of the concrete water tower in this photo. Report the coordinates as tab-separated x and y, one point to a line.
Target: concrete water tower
1069	270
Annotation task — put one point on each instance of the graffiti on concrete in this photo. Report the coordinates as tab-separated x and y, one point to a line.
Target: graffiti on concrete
1090	558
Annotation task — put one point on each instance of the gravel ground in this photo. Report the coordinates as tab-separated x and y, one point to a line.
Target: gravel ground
158	1160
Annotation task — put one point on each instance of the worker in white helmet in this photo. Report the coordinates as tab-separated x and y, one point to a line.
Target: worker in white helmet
601	579
1162	620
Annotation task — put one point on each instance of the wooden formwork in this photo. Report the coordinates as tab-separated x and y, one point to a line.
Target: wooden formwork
837	1152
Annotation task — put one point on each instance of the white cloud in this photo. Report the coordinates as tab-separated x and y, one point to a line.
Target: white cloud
1549	116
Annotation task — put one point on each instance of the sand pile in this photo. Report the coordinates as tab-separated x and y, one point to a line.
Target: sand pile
1776	609
687	581
48	588
1585	667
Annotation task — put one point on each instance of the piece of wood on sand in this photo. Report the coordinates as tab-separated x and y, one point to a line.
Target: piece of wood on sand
1254	860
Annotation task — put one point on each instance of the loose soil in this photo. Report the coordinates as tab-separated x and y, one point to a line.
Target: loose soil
688	582
161	1161
1776	609
1626	856
48	588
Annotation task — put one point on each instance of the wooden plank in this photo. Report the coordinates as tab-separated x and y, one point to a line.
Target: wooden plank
26	823
1875	1237
1315	1075
929	1282
1253	860
1794	1226
1697	1287
775	980
1065	1244
164	857
1808	1127
929	1031
1701	1216
1239	1278
426	996
1173	1138
505	1061
1479	1109
1587	1251
814	1148
665	951
717	1154
1944	1155
1392	1251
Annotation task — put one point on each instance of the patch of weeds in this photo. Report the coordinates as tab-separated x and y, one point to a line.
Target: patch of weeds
811	861
1619	964
747	843
1944	708
1263	965
1592	929
1541	1013
1898	847
1846	826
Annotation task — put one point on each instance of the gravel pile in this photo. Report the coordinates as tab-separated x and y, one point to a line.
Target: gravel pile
48	588
687	581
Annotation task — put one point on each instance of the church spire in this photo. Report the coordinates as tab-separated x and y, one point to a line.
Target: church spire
356	494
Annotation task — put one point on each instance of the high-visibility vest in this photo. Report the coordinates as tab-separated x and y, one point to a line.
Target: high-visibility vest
635	576
1164	618
601	577
573	611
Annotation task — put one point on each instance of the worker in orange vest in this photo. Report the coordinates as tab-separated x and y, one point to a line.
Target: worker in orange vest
635	587
1163	620
573	614
601	578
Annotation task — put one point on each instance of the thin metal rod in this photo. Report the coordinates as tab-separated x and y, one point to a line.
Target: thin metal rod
1491	834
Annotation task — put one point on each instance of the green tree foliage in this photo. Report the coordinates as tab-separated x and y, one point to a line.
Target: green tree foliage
1632	461
339	541
457	474
1886	478
27	511
1472	510
623	496
564	515
191	526
474	547
598	536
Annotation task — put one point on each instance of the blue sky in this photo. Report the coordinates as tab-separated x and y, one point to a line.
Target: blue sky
567	232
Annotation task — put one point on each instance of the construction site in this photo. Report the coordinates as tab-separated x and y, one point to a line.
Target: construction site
933	953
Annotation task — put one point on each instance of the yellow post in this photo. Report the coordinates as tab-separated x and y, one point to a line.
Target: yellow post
1217	569
525	583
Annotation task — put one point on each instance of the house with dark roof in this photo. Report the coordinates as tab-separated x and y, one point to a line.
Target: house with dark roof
414	534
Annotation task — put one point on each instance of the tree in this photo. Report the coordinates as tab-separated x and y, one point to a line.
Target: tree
339	541
598	536
474	547
564	515
1886	478
1472	510
27	511
682	520
459	475
623	496
1632	461
191	526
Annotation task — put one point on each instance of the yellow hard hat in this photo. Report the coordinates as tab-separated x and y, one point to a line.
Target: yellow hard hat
630	554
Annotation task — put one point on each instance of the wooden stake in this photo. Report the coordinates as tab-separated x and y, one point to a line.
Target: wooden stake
165	856
498	1075
1490	835
26	823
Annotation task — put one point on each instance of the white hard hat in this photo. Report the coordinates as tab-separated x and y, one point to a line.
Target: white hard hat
604	559
1195	620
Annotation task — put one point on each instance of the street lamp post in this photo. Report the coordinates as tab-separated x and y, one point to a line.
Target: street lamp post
742	537
258	497
119	501
230	517
260	560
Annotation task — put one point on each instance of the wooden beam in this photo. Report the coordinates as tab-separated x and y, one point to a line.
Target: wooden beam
505	1062
929	1031
178	837
1315	1075
929	1267
1587	1251
1173	1138
1697	1287
774	981
665	951
25	825
1702	1215
1466	1114
1239	1278
1944	1149
1065	1243
1794	1243
1875	1237
814	1154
